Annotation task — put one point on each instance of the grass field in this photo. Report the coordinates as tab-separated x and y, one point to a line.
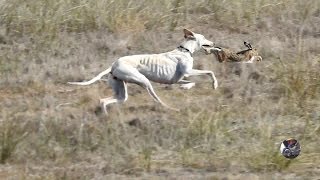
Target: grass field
51	130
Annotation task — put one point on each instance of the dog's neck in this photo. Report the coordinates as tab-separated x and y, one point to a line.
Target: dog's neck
189	45
183	49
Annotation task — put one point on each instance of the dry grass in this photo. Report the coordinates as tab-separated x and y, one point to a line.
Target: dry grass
49	130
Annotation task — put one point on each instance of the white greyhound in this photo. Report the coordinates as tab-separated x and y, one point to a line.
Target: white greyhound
167	68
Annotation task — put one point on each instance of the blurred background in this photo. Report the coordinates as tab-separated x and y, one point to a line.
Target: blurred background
51	130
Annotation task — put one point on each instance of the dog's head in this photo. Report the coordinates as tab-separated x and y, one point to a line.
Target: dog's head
194	41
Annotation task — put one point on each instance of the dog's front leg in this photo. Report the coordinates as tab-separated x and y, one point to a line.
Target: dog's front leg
196	72
186	84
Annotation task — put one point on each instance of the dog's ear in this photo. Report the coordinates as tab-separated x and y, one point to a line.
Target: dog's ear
188	33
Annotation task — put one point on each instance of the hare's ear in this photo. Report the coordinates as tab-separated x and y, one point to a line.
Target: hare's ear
248	45
188	33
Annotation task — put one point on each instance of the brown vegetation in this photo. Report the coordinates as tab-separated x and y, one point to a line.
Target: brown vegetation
51	130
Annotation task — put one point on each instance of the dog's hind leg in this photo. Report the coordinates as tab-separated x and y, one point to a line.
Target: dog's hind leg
120	93
134	76
150	90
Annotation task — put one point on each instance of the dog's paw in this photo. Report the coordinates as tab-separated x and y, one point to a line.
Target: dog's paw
215	85
187	86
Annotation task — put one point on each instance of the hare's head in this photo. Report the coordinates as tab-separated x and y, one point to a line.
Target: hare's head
250	54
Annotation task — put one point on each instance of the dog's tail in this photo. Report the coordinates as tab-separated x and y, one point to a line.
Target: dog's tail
99	76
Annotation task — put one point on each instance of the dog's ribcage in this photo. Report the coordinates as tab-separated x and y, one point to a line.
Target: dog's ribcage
162	68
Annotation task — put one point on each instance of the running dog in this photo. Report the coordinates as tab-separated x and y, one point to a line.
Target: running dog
166	68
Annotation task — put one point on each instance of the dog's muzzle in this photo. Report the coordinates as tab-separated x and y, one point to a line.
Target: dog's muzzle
210	50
